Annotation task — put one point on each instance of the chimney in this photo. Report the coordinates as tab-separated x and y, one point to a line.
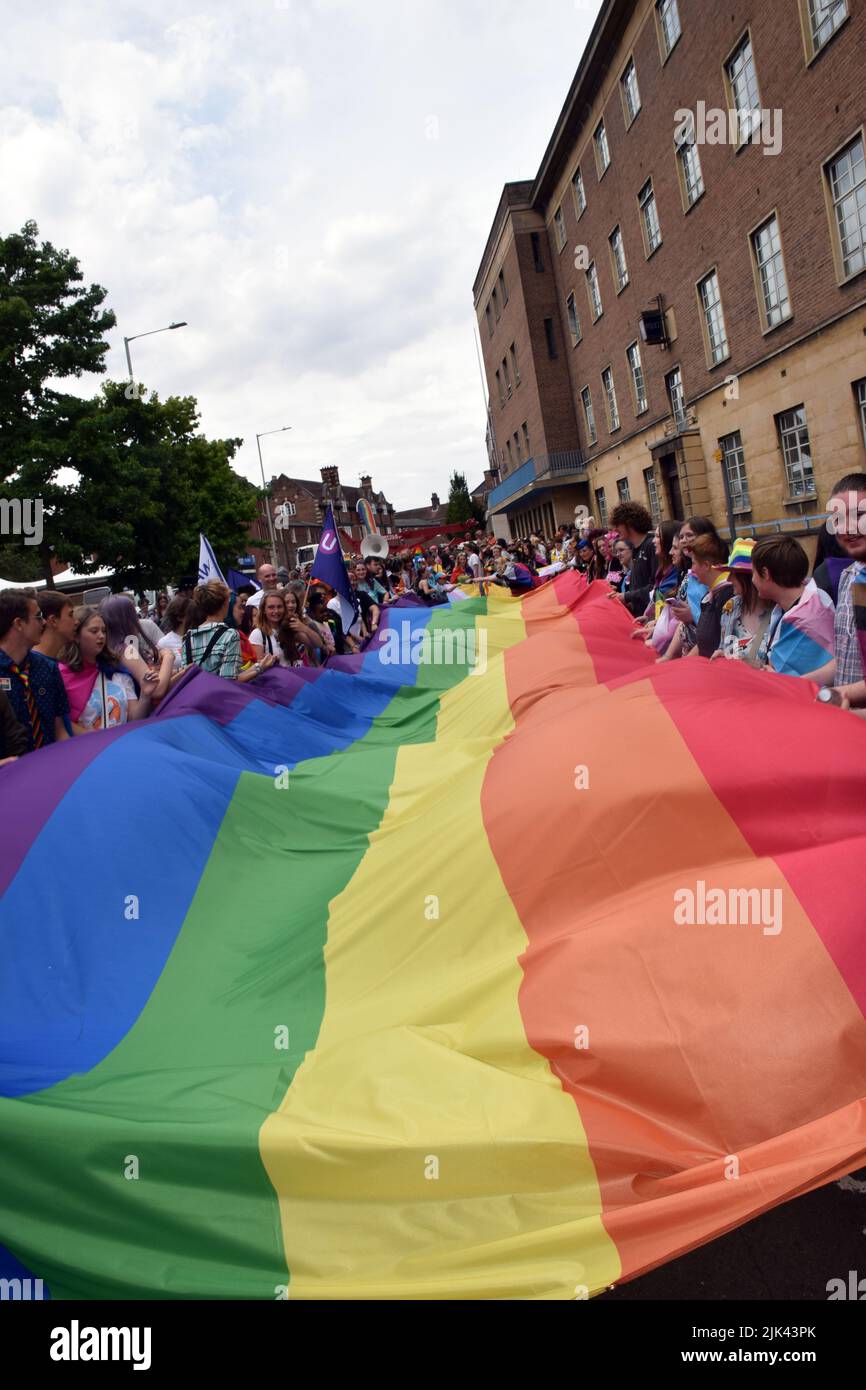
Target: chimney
434	501
367	486
331	479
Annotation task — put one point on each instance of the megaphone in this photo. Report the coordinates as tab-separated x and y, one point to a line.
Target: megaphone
374	547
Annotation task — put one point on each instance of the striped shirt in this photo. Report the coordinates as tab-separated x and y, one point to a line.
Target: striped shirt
849	661
225	655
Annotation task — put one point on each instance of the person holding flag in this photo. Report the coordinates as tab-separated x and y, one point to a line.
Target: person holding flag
330	568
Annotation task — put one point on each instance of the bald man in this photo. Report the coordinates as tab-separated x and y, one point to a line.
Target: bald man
267	577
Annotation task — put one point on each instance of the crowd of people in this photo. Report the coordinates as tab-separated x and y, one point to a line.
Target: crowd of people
66	671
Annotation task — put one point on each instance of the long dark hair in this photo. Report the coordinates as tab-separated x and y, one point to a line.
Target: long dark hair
668	532
121	622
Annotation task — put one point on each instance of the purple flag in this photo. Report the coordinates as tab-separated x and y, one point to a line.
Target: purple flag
330	568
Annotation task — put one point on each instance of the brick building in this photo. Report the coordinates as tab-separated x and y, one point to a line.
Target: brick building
309	501
747	258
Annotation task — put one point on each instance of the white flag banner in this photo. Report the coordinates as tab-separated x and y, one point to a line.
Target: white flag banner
207	565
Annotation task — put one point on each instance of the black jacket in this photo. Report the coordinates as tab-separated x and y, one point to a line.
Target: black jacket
643	569
13	736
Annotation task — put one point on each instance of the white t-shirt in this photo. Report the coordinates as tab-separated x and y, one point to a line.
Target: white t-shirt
119	690
475	566
172	642
255	599
270	646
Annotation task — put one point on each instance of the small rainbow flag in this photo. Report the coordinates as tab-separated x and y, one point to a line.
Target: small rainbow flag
497	962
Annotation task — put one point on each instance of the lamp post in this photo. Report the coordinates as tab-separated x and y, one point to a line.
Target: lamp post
132	338
259	437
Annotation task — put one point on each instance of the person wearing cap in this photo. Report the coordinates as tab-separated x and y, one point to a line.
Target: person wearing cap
745	614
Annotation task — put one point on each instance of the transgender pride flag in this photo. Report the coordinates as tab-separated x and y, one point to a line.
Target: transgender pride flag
801	640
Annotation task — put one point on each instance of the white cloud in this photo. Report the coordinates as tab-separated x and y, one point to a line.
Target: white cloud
310	185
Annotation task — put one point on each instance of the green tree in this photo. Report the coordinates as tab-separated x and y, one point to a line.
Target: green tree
460	505
148	483
52	328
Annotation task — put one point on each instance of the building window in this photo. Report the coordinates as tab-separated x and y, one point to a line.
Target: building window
517	447
767	253
508	386
714	319
499	387
601	506
573	320
630	92
535	242
825	17
559	224
602	153
743	86
847	179
676	394
637	378
668	18
588	414
652	232
526	440
550	337
489	313
652	493
495	305
734	464
514	366
860	397
510	456
594	292
622	490
617	251
578	192
691	174
610	399
503	288
797	452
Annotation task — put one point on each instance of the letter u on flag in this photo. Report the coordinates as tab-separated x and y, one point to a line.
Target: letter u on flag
330	568
207	565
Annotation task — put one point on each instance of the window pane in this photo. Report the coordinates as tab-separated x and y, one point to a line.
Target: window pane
676	395
610	395
652	493
693	179
669	19
601	148
825	16
797	452
714	318
601	506
848	189
744	89
559	223
771	270
734	463
652	230
630	90
636	367
579	195
589	414
573	319
619	262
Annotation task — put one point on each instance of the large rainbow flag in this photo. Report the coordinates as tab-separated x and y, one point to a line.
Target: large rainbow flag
374	982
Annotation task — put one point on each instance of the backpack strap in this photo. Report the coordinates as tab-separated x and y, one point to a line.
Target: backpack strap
215	637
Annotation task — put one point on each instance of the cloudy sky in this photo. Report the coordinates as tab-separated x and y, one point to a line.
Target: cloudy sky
309	183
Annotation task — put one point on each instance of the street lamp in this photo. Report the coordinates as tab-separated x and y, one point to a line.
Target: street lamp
132	338
259	437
